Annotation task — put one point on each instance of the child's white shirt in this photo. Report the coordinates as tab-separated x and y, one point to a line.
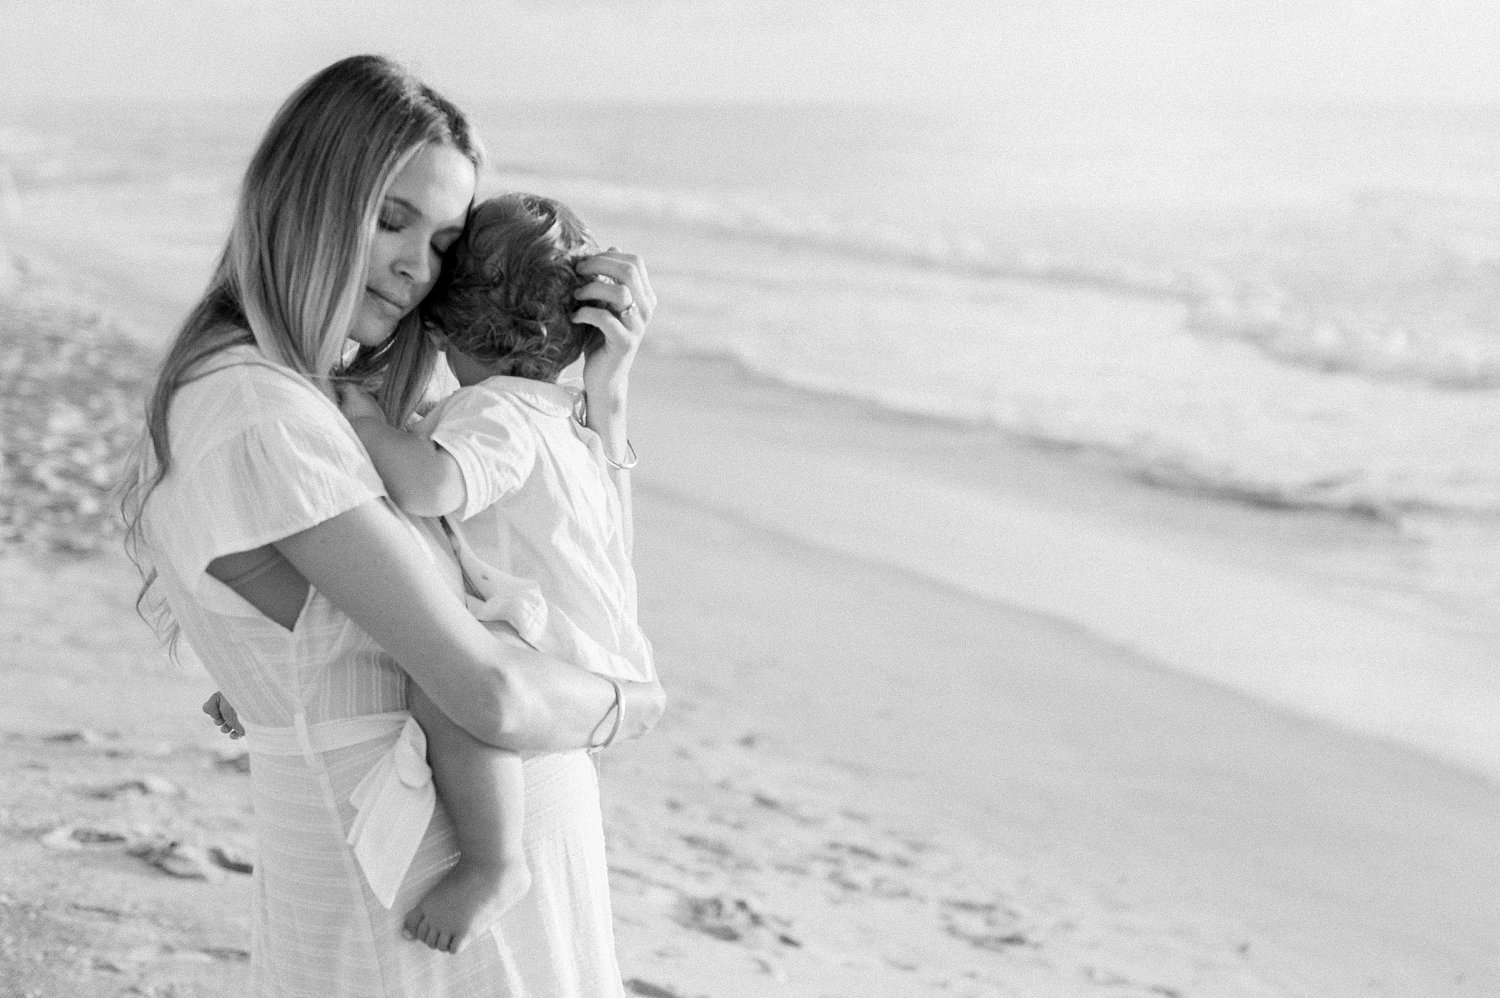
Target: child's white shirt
539	533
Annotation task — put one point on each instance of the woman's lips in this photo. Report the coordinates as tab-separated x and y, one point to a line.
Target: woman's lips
399	306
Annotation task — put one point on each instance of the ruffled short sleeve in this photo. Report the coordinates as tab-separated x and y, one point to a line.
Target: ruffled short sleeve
253	463
488	437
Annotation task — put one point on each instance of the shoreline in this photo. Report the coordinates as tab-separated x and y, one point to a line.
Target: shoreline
1306	612
873	779
1348	590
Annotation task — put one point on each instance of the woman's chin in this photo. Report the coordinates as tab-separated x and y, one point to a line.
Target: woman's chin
369	332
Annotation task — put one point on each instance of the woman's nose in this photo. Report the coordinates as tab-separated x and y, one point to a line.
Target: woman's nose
415	264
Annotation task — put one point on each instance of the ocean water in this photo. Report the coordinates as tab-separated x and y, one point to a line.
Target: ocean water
1293	307
1297	307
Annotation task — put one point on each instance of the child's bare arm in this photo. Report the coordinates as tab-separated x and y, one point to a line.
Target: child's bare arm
421	477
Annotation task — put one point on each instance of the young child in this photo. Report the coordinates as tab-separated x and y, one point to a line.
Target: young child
525	494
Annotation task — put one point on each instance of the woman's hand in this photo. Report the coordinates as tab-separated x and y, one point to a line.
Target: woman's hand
641	706
620	303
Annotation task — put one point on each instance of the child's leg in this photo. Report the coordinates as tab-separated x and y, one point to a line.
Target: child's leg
484	793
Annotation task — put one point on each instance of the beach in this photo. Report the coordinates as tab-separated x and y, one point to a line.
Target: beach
868	783
986	677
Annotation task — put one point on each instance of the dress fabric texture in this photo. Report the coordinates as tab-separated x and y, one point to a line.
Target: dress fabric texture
258	454
540	534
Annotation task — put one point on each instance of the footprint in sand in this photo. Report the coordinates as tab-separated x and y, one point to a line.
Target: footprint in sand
718	852
149	785
179	859
83	736
646	989
192	862
69	837
799	815
733	920
232	858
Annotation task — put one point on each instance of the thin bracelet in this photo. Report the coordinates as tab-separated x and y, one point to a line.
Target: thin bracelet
627	464
618	706
581	417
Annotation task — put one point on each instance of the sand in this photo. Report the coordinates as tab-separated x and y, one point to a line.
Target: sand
868	783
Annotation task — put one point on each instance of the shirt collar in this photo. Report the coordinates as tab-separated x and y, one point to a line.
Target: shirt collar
549	398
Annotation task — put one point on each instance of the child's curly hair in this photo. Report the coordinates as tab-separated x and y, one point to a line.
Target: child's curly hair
505	296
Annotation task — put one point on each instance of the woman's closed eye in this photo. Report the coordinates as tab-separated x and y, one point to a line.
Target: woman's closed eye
393	216
438	248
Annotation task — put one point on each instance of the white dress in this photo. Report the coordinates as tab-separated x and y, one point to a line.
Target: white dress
259	454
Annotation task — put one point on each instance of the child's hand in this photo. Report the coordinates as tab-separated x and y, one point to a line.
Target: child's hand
221	713
356	403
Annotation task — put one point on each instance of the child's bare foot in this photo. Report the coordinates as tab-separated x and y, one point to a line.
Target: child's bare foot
466	902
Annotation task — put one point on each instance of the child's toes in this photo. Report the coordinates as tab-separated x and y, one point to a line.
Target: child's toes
428	933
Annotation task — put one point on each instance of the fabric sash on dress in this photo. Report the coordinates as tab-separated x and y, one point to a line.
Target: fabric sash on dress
395	800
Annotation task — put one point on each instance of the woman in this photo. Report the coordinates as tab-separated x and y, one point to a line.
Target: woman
263	535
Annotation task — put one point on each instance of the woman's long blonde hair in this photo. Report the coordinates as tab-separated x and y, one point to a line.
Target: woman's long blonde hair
292	275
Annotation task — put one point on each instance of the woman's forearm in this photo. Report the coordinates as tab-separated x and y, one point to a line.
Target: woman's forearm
556	706
619	303
499	689
608	416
